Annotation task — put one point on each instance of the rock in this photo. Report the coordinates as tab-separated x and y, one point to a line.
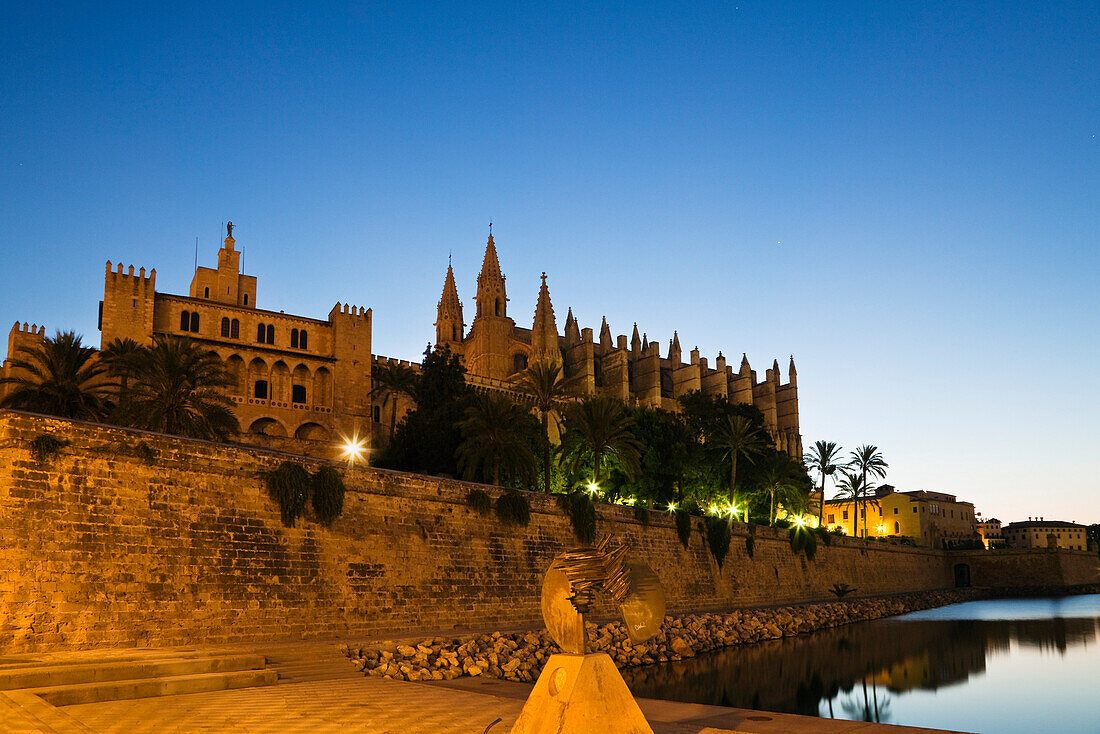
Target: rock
406	651
682	648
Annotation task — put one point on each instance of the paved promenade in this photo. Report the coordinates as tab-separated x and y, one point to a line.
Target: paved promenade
319	691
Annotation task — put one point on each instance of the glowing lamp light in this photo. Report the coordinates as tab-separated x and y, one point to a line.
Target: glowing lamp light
672	507
354	448
593	488
799	522
731	510
714	510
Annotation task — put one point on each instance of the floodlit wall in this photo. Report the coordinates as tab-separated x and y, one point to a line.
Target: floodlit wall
129	538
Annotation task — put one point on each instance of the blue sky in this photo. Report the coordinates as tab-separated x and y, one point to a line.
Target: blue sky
903	196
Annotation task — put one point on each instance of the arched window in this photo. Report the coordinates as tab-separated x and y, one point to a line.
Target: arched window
498	307
206	293
235	329
519	362
185	321
454	333
897	528
293	338
225	326
302	341
270	333
246	299
261	334
297	393
195	321
261	389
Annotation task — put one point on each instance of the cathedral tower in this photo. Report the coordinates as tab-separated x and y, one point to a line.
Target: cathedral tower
489	352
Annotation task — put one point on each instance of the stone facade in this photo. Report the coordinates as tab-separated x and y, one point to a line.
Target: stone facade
495	349
1043	533
295	377
929	518
130	538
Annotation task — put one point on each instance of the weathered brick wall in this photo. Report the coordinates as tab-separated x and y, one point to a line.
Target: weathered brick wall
104	545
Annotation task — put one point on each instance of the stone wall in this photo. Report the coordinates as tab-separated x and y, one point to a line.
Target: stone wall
1041	567
130	538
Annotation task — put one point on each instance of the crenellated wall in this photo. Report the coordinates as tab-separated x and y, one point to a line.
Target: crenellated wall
131	538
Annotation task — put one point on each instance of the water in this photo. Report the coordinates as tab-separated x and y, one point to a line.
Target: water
1009	666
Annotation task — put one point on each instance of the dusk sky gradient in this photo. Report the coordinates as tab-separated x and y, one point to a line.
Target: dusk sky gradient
906	197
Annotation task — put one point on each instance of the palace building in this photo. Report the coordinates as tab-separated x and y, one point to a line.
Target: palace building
301	380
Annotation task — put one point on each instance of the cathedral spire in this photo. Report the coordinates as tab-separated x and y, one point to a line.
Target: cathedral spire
448	322
491	297
635	343
674	350
605	335
745	369
544	330
572	330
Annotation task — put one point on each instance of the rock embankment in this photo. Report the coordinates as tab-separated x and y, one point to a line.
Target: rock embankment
519	656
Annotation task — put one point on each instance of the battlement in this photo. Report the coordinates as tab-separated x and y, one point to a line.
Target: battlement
379	360
344	309
31	330
117	274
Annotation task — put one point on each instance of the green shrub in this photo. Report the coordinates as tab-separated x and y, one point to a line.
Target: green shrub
841	590
718	538
582	514
804	540
641	514
479	501
289	485
513	508
683	526
782	523
44	446
825	535
328	494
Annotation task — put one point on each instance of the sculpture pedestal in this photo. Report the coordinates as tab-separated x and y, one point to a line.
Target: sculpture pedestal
581	694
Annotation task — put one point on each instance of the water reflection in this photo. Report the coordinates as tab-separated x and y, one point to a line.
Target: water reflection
878	671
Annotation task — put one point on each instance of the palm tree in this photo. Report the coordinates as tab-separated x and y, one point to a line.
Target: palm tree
600	427
780	482
850	487
735	437
61	377
868	460
122	357
545	382
178	390
390	381
823	459
493	439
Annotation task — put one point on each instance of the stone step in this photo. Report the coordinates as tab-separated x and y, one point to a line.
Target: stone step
117	690
91	671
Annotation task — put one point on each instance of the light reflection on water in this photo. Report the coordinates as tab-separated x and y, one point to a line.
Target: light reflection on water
1005	666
